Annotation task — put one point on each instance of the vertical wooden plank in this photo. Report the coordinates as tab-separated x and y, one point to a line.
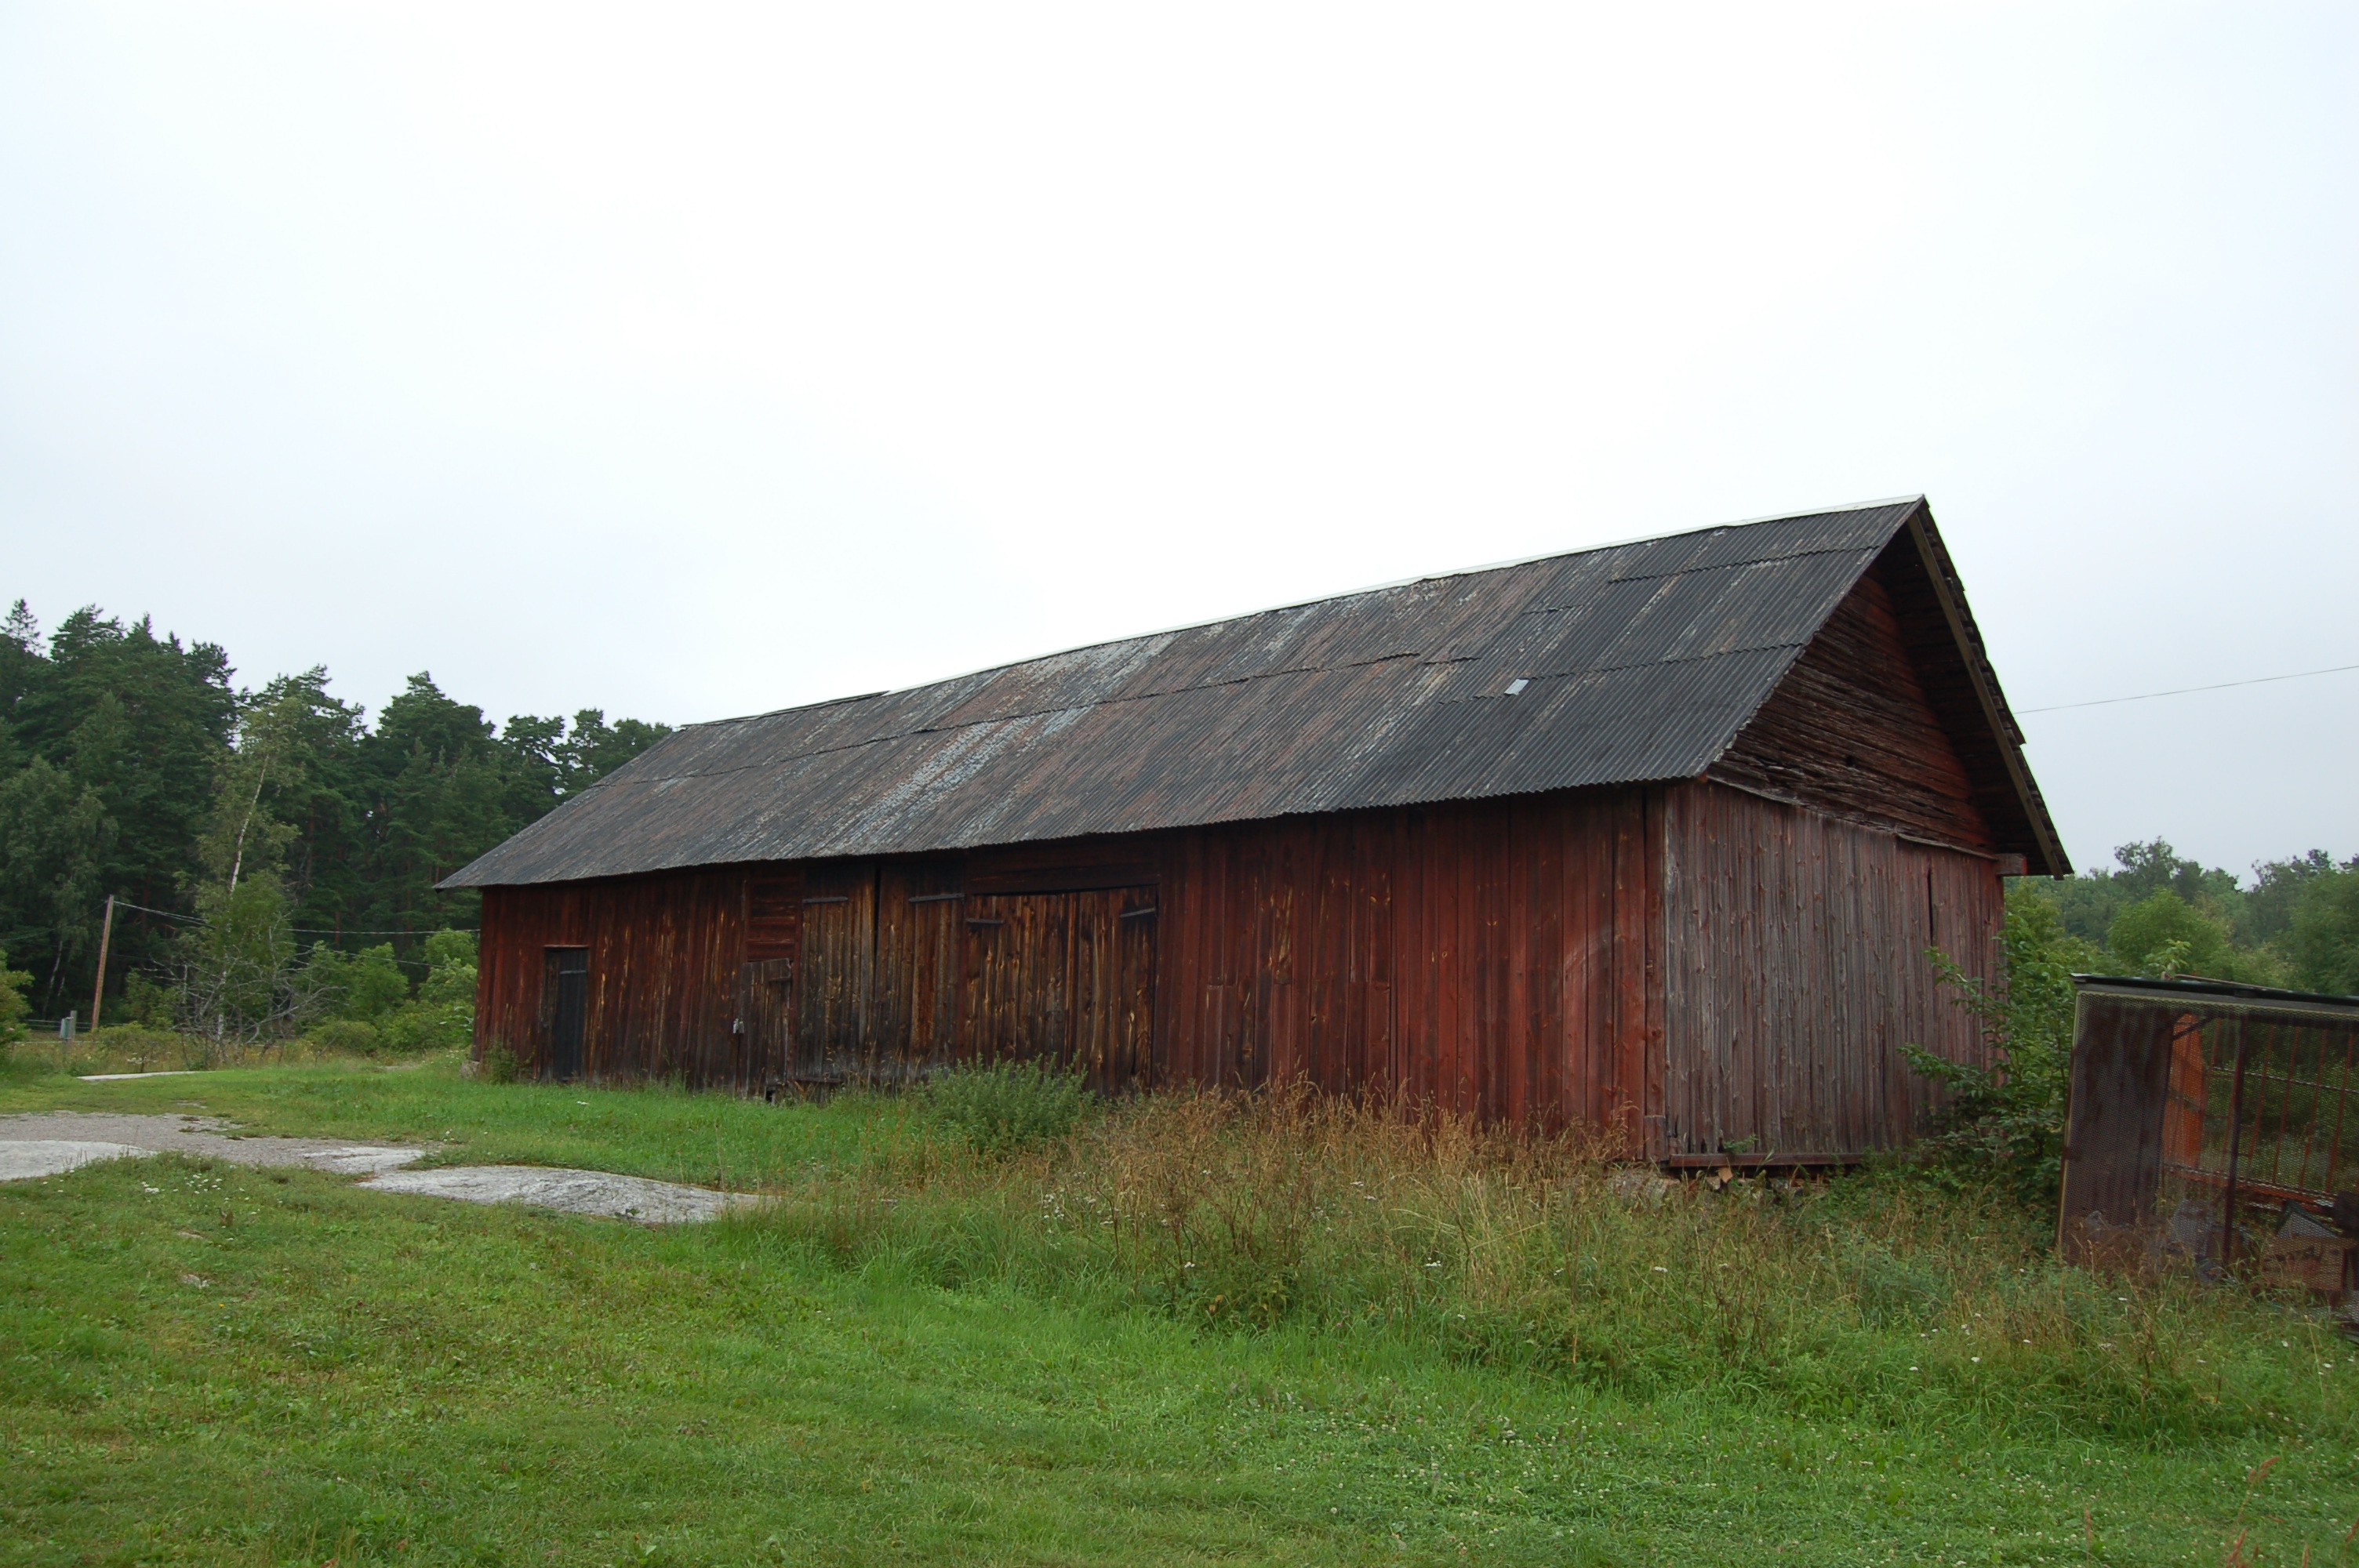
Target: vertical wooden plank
1658	879
1020	976
833	1032
1630	874
1181	1056
1414	1024
1374	1072
913	1026
1540	960
1438	858
1115	935
1096	999
1511	922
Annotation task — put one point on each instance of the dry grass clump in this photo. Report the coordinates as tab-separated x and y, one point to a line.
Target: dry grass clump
1869	1297
145	1048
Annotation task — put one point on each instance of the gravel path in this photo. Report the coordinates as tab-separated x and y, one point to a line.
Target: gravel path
53	1142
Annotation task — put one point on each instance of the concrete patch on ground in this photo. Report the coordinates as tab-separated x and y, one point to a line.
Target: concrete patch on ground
205	1135
125	1077
21	1160
570	1192
51	1142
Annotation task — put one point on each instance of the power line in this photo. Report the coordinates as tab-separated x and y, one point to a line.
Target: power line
302	930
2182	691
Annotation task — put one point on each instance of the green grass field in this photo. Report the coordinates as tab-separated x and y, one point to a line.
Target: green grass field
1188	1334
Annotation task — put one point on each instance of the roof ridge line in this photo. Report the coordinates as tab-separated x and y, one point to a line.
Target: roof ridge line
1330	599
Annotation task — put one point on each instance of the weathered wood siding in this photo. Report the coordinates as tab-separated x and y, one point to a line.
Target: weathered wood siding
1490	957
1795	968
1704	968
1852	730
665	956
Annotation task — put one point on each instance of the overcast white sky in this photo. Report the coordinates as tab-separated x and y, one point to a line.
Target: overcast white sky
688	360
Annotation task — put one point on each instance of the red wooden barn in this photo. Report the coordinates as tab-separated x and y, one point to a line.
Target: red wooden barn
1657	834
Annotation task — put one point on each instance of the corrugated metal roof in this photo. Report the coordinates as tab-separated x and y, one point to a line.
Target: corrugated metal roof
1643	661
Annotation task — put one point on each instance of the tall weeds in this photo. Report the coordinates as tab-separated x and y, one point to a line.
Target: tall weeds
1875	1297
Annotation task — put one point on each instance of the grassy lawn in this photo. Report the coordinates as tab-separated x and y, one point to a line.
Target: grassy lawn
917	1357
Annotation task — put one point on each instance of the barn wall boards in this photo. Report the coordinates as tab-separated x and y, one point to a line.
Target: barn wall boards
1722	976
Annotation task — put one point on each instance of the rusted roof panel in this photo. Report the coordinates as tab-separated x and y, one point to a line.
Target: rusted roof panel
1642	660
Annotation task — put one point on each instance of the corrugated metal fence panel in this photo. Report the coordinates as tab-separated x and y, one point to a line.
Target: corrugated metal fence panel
2121	1067
1796	966
2224	1096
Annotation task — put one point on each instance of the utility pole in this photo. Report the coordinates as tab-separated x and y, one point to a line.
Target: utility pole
106	934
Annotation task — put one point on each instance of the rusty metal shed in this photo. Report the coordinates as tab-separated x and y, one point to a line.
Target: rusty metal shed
2207	1118
1655	834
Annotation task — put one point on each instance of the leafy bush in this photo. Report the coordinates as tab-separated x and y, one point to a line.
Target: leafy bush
365	985
2163	934
2006	1121
499	1063
144	1048
2323	940
376	1011
13	1005
347	1034
443	1016
1006	1105
147	1000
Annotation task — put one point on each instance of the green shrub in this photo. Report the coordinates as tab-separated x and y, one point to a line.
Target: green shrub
363	986
499	1063
148	1001
13	1005
2006	1121
347	1034
2163	934
441	1016
143	1048
2324	937
1006	1105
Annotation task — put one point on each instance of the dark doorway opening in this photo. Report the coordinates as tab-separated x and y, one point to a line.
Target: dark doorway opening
565	992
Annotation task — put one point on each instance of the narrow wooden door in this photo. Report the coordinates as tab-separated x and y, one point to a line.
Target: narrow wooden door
565	1011
838	953
1114	988
765	1001
913	1018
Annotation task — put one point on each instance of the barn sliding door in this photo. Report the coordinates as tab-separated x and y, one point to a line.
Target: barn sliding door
1067	978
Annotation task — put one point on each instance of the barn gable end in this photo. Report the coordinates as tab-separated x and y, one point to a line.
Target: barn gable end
1851	731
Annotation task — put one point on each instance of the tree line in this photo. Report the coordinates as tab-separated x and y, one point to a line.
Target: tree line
2156	911
282	817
